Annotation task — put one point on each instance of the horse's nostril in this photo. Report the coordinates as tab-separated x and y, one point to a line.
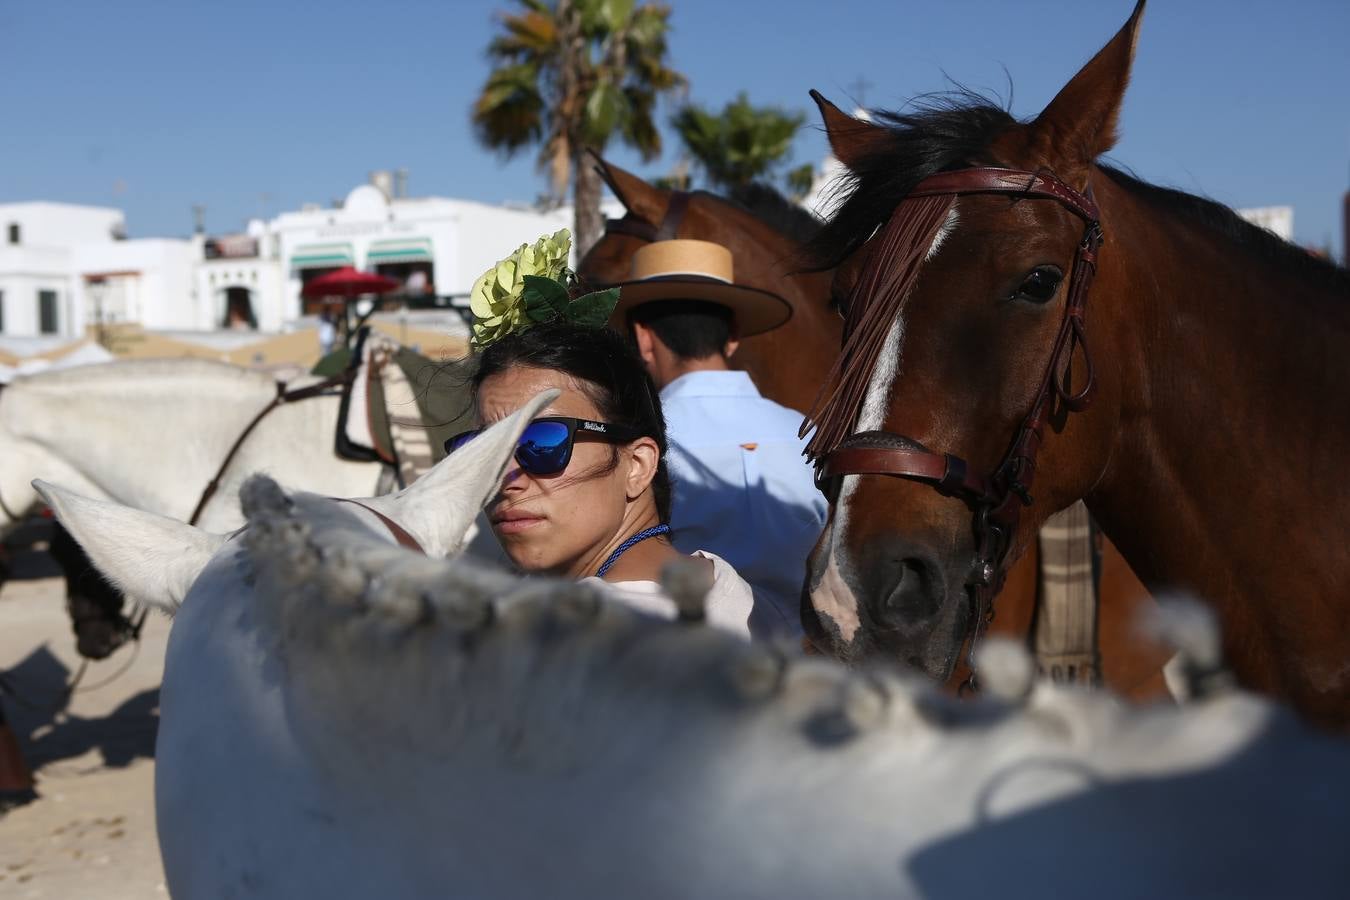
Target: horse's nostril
914	600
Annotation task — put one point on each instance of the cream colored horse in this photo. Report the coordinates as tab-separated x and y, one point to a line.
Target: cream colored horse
152	434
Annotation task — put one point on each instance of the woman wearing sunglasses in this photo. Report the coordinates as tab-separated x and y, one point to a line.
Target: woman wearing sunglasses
587	495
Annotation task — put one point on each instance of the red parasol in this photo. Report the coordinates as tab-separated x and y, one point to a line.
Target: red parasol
348	282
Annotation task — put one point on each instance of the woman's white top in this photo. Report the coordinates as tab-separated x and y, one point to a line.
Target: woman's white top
728	603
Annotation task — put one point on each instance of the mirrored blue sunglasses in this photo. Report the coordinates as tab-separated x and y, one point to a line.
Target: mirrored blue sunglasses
545	446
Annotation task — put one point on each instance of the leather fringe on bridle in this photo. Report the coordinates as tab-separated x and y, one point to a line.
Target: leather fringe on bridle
875	303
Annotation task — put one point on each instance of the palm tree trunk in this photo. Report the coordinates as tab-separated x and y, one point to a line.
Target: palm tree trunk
589	224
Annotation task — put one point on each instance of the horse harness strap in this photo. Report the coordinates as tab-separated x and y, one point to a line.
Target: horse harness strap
996	500
666	231
401	535
282	398
949	474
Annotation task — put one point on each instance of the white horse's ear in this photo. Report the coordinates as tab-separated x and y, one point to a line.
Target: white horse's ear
149	558
440	506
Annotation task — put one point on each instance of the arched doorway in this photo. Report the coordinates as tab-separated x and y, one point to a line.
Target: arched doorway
239	310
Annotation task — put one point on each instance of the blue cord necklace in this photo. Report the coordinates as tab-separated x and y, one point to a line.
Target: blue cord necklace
635	539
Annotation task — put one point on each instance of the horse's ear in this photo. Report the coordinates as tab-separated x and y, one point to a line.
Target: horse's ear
851	140
149	558
1080	123
643	200
440	507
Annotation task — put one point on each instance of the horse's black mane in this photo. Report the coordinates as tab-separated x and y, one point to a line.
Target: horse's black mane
765	203
945	131
953	130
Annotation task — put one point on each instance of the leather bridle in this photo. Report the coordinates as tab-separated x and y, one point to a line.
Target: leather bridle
996	499
642	230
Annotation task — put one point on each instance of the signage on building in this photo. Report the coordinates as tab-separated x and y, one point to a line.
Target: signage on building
358	229
230	246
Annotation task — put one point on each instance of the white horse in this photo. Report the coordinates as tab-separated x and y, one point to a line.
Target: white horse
344	718
152	434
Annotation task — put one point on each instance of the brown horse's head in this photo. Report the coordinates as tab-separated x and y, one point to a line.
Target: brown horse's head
765	233
963	361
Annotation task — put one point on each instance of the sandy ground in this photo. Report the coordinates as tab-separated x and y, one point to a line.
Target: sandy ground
91	832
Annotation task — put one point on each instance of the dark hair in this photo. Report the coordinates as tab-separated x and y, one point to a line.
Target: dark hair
692	329
610	372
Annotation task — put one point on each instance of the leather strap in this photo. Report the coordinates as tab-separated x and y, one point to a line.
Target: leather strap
400	534
631	226
949	474
675	210
988	179
668	230
282	398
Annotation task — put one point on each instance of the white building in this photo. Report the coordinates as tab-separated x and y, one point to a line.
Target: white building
64	268
37	260
1277	219
436	246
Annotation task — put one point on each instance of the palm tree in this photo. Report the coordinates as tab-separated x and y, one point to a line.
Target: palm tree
569	75
742	144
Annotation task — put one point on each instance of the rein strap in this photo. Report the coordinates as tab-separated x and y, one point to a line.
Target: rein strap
281	399
669	228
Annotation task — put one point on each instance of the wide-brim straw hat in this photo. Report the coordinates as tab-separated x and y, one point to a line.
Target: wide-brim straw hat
698	270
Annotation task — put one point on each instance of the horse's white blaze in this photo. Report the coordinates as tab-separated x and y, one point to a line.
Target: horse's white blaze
876	402
943	233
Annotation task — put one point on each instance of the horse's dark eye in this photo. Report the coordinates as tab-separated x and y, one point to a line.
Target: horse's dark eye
1040	285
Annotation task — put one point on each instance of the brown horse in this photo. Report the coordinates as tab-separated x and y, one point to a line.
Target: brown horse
1220	358
765	233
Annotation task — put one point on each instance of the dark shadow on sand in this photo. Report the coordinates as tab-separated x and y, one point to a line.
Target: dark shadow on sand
48	734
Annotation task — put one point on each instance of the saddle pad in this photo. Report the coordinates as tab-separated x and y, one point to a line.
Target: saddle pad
401	406
443	393
1066	609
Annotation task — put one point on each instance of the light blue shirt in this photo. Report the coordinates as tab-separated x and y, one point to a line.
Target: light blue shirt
741	489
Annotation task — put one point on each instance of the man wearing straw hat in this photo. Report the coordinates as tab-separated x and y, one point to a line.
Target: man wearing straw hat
741	487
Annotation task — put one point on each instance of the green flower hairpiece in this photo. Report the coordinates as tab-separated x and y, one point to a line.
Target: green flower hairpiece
532	286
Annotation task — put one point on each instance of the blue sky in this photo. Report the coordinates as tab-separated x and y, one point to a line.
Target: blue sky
253	108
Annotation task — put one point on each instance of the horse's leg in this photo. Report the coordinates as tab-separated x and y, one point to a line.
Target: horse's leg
1131	663
16	780
95	606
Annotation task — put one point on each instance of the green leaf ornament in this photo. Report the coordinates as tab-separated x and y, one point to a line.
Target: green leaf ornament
594	309
545	298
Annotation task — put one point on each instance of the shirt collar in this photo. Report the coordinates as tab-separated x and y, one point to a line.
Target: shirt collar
710	384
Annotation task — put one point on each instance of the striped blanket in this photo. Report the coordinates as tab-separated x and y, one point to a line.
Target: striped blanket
401	406
1066	608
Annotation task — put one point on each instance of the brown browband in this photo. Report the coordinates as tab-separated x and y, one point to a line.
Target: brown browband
1007	181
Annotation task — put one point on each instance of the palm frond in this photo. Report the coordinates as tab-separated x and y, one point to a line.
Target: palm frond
509	112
